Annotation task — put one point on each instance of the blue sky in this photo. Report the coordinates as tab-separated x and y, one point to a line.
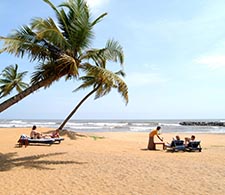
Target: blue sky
174	60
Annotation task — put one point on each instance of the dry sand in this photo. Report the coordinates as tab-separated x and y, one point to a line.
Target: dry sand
110	164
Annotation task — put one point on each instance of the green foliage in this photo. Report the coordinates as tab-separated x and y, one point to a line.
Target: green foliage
105	79
62	48
97	137
11	79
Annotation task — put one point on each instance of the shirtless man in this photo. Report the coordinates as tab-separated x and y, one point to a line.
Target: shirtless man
34	134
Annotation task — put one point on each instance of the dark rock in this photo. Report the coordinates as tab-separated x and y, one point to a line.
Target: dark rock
202	123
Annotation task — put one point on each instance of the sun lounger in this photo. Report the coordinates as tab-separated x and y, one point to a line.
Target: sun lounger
26	140
58	139
176	145
193	146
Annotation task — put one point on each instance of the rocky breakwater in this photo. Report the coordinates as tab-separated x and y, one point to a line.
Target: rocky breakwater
202	123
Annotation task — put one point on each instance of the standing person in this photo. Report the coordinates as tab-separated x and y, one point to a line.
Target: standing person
151	143
34	134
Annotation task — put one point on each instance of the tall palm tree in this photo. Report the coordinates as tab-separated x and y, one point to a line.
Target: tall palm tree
60	49
98	77
12	79
102	81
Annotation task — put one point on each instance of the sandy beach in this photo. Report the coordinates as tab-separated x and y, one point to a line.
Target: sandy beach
110	163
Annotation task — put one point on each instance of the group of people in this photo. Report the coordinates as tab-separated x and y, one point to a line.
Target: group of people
156	132
35	134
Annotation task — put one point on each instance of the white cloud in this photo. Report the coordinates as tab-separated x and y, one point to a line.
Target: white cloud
96	3
213	62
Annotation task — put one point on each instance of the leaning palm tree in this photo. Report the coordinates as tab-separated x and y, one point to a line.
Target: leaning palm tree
98	77
102	81
60	47
12	79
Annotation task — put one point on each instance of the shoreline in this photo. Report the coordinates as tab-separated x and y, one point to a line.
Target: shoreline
110	163
114	125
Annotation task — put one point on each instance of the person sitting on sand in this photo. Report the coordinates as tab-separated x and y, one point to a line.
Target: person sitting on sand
34	134
151	143
189	139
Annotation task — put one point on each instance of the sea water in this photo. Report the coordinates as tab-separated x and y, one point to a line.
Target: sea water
168	126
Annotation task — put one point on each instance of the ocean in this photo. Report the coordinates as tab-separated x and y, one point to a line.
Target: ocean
168	126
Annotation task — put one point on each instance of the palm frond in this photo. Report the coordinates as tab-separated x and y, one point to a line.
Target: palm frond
105	78
68	65
12	79
45	71
24	41
64	66
97	20
121	73
113	51
47	30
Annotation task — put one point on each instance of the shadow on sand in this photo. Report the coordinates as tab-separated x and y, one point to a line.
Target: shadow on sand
146	149
9	161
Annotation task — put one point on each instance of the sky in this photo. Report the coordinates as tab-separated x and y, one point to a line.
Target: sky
174	60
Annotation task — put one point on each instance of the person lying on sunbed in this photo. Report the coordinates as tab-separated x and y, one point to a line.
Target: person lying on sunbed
54	134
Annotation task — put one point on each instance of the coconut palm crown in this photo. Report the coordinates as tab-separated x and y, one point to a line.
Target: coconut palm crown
57	47
12	79
60	47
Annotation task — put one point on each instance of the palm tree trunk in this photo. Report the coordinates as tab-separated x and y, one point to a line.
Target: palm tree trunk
11	101
76	108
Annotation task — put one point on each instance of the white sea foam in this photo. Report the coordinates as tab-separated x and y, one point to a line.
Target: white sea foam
114	126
